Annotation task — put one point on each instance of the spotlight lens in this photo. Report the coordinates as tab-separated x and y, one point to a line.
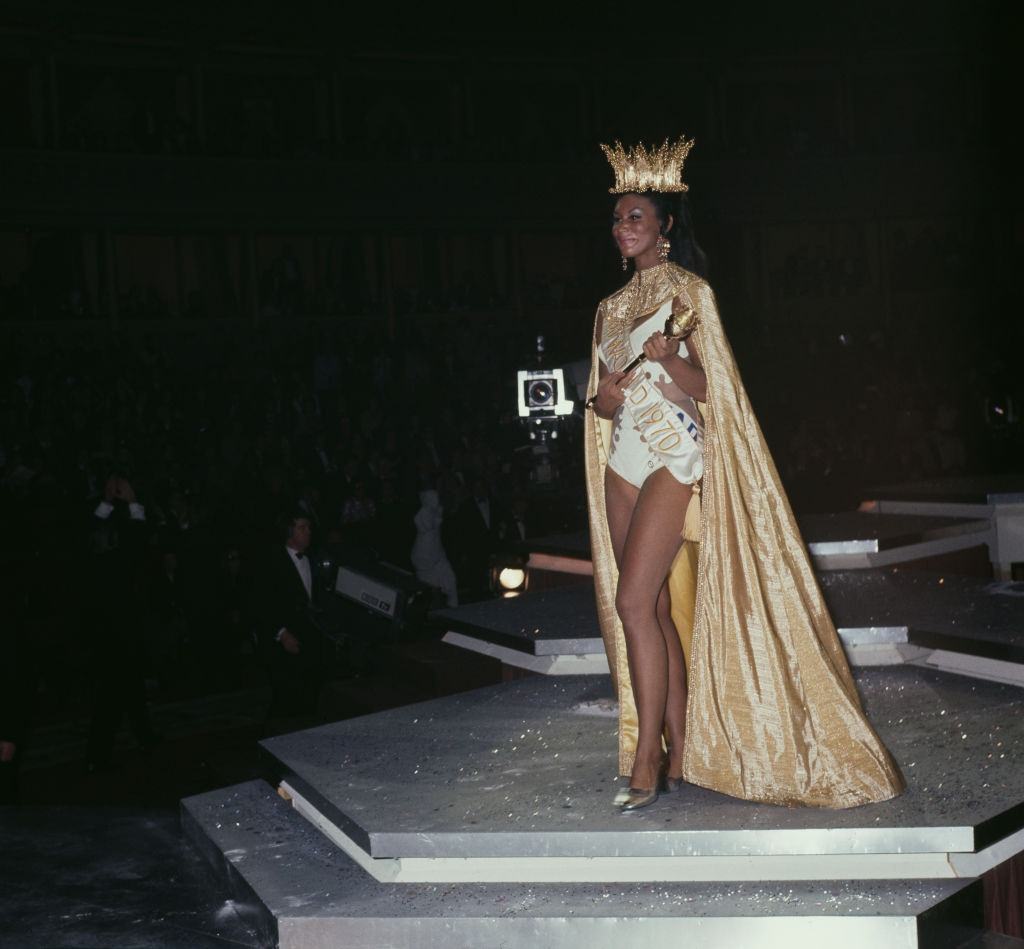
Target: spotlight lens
511	578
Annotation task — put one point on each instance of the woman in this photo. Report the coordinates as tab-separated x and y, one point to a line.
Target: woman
428	557
729	671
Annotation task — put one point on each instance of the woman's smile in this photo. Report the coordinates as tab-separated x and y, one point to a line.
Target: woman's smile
636	229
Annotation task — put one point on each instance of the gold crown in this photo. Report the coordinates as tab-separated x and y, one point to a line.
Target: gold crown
639	169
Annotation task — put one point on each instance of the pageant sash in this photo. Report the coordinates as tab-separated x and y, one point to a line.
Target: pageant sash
664	426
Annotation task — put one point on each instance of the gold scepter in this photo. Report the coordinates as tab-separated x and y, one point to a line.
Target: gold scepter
679	325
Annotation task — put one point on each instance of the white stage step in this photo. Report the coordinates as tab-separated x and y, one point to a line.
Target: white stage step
308	895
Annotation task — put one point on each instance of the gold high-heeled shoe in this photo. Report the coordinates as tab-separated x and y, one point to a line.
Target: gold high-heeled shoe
632	799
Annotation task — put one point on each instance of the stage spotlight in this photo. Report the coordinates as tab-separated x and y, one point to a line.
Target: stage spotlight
509	576
512	578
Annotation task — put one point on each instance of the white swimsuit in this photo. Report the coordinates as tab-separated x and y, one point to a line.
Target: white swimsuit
632	455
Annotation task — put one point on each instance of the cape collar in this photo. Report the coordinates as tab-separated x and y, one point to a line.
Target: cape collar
646	291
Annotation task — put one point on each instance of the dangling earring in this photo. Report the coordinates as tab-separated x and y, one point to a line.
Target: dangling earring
625	265
664	246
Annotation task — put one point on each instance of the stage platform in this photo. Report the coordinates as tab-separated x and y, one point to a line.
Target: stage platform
514	782
552	632
999	500
884	616
849	540
486	818
967	490
859	539
312	896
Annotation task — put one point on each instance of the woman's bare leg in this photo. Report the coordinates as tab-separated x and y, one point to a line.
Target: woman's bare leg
675	701
619	500
653	539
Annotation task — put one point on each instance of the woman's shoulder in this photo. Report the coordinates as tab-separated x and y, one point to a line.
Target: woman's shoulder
693	287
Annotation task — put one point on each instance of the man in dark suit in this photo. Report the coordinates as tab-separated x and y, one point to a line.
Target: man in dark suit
472	538
516	526
292	638
112	619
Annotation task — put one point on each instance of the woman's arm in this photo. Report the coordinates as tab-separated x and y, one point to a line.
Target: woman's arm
685	372
688	375
609	395
610	386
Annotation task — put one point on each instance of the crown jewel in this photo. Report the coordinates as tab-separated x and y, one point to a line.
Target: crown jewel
640	169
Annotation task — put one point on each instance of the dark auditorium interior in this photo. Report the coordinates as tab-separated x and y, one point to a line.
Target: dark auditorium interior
265	261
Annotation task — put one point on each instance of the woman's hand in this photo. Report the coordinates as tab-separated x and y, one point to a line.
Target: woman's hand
659	347
611	392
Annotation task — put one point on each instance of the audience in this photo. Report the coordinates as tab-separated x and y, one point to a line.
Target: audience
223	436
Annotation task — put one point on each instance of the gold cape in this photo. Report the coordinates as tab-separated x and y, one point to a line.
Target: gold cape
773	714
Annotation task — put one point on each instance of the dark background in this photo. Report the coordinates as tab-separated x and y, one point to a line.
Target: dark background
853	175
238	238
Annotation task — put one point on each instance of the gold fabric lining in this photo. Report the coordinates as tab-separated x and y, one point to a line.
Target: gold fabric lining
773	714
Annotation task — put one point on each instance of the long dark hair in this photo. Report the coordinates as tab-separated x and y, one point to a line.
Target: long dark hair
685	250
